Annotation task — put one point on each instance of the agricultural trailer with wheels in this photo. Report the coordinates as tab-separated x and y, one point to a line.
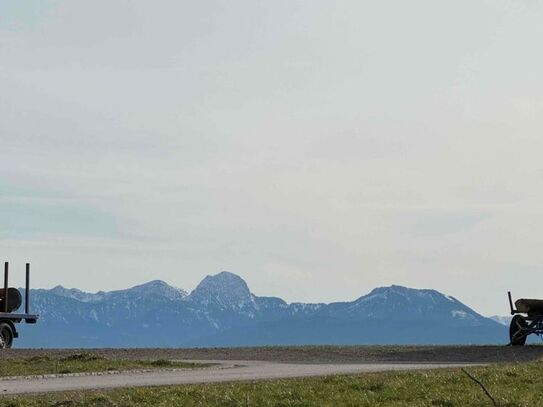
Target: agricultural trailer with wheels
527	319
10	302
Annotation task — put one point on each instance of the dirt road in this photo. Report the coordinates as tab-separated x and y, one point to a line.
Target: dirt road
226	371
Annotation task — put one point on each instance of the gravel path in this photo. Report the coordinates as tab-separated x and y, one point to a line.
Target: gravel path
228	371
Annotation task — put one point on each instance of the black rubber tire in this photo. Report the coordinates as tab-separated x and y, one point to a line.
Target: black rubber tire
6	335
15	299
516	337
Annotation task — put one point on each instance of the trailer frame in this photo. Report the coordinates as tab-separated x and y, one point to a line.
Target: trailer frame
8	320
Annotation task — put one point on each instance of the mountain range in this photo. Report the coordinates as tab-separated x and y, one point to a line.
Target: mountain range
222	311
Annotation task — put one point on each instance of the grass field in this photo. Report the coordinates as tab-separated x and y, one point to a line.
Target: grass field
79	363
510	384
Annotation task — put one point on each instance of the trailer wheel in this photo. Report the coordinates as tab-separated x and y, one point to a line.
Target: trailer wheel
517	334
6	335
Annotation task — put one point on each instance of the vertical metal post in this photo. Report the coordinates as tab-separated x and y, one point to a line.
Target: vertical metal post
511	303
27	289
6	267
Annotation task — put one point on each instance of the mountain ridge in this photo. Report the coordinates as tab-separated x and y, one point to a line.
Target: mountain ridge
151	283
222	311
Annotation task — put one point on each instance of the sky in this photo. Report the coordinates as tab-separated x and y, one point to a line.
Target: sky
317	148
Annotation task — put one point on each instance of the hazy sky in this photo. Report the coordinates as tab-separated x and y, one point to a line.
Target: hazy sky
316	148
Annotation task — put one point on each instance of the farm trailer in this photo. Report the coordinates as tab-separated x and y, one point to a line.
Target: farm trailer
10	302
527	319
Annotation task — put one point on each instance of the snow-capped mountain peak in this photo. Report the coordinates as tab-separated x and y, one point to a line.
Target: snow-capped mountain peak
225	290
408	303
77	294
160	288
155	287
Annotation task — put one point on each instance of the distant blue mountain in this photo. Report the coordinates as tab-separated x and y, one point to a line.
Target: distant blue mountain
222	311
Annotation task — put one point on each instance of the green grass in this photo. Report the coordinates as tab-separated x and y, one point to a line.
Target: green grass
510	384
80	363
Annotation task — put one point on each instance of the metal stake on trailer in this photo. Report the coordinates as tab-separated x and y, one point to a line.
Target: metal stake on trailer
6	288
27	289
